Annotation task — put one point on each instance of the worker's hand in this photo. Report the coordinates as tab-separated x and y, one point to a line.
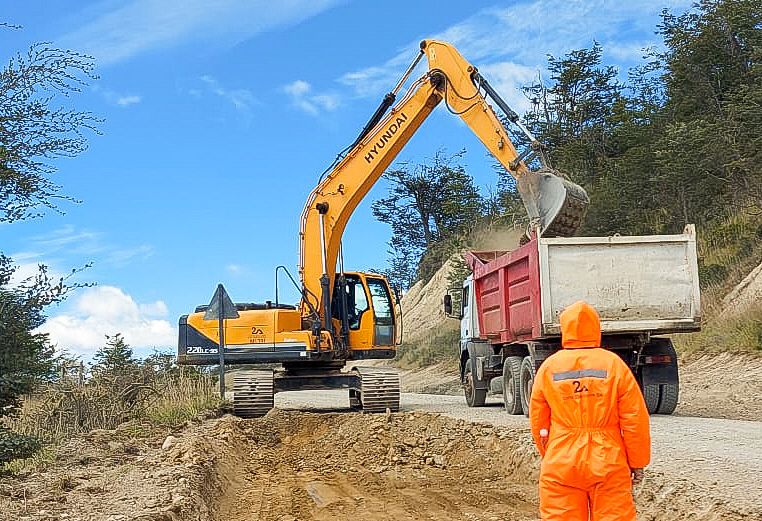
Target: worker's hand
544	438
637	476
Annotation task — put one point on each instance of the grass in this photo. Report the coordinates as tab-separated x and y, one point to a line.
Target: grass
182	400
61	411
729	248
736	333
41	460
442	346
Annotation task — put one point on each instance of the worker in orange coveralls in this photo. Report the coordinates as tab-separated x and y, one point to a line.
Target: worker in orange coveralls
590	424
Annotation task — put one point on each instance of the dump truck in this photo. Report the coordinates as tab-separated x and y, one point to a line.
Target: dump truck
643	287
348	315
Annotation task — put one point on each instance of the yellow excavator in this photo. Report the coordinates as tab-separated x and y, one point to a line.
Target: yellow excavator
346	316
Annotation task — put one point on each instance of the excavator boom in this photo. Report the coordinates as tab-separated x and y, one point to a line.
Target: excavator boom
555	205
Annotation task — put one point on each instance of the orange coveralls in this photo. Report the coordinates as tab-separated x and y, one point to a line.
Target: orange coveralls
589	401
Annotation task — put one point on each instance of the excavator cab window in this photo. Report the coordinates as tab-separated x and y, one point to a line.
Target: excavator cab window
383	312
357	302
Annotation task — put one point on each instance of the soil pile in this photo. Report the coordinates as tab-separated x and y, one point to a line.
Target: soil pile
721	385
422	309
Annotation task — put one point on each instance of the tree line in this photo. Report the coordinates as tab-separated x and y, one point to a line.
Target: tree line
678	141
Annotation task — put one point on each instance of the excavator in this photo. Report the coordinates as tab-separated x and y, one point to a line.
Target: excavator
346	316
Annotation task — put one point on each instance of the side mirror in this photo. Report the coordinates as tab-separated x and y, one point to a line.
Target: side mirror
448	305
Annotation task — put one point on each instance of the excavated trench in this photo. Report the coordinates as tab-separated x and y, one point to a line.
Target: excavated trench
298	466
293	466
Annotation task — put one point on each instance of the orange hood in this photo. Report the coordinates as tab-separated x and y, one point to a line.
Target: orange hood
580	326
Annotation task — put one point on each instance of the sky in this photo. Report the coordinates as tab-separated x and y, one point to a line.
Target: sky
220	115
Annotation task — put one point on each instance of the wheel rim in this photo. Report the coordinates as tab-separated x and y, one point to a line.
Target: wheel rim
528	389
468	387
527	377
508	394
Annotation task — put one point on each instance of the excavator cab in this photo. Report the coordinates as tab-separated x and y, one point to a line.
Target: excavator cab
363	310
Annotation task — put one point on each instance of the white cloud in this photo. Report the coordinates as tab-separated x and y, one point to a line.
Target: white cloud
115	98
507	78
69	240
297	88
523	34
302	98
120	32
242	99
106	310
132	99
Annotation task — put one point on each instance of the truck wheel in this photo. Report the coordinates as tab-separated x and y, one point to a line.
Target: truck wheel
651	394
474	397
527	380
512	385
668	398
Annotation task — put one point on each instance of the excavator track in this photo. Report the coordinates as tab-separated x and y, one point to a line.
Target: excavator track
253	393
379	389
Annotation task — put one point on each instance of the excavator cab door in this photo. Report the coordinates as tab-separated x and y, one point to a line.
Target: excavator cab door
383	312
370	319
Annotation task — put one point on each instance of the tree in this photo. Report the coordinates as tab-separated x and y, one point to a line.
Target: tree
34	128
26	357
114	358
429	204
711	71
574	114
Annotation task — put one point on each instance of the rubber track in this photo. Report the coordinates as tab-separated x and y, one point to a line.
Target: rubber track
253	393
379	389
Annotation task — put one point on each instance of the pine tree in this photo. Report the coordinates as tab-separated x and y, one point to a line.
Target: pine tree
114	358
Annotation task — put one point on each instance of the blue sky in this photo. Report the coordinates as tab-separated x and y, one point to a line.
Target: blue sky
219	118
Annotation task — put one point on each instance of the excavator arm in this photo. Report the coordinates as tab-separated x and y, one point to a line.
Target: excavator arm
555	205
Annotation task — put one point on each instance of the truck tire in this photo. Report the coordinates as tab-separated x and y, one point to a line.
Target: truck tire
474	397
661	396
651	393
668	396
527	380
512	385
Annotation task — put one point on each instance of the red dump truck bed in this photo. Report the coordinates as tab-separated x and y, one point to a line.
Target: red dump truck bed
637	284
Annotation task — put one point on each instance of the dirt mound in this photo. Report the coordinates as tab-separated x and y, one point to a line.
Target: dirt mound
441	378
349	466
721	385
422	309
747	293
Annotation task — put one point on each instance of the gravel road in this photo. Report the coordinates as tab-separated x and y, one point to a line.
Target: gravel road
721	456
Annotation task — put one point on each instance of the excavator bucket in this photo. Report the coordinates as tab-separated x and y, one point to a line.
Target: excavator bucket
558	205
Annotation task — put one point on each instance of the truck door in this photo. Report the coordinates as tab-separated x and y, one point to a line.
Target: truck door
466	321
